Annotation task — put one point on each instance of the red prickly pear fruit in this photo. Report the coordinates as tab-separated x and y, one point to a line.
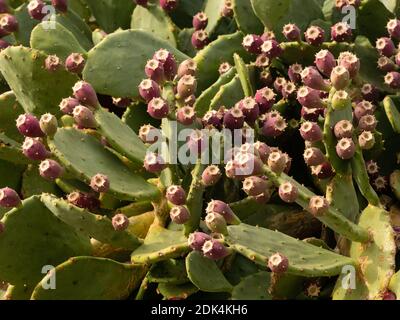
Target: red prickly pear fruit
200	39
325	62
366	140
8	24
393	27
9	198
252	43
274	125
60	5
83	200
247	165
389	295
386	47
311	114
315	35
187	67
392	79
85	93
196	240
211	175
214	250
4	44
313	157
100	183
68	105
351	62
277	162
187	85
323	171
149	89
289	90
254	186
294	73
311	131
250	109
341	32
386	64
367	123
288	192
120	222
234	118
224	67
154	70
48	124
266	78
50	170
345	148
121	102
212	118
4	6
278	263
75	63
265	98
186	115
279	83
222	208
263	198
196	142
158	108
227	10
318	206
176	195
271	48
190	101
340	77
149	134
291	32
28	125
216	223
179	214
169	5
84	117
372	168
313	79
200	21
154	163
52	63
142	3
343	129
262	61
309	98
363	108
34	149
35	9
263	151
169	63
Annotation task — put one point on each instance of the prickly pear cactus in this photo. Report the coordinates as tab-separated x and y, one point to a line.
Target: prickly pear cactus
216	149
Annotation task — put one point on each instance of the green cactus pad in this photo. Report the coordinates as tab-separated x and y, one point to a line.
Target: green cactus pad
11	174
176	292
120	136
245	75
394	285
25	25
285	286
40	239
92	159
392	113
10	109
395	183
184	40
38	90
33	183
213	8
258	244
94	226
136	115
17	293
89	278
11	151
116	65
171	271
160	244
245	17
228	94
154	20
205	274
253	287
218	51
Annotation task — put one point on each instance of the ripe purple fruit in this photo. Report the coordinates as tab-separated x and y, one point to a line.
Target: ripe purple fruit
83	200
386	64
169	5
186	115
4	44
187	67
309	98
385	46
341	32
389	295
278	263
149	134
274	125
369	92
149	89
120	222
34	149
9	198
176	195
345	148
187	85
288	192
84	117
60	5
52	63
4	6
68	105
343	129
311	114
121	102
154	163
366	140
340	77
392	79
323	171
179	214
200	39
222	208
50	170
212	118
266	78
315	35
367	123
262	150
227	10
271	48
313	157
211	175
252	43
363	108
8	24
265	98
48	124
200	21
253	186
250	109
234	118
277	162
168	61
85	93
29	126
75	63
196	240
393	27
291	32
158	108
311	131
351	62
35	9
100	183
289	90
294	73
154	70
214	250
325	62
313	79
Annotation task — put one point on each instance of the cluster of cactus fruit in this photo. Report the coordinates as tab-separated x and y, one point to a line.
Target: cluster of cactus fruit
288	183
